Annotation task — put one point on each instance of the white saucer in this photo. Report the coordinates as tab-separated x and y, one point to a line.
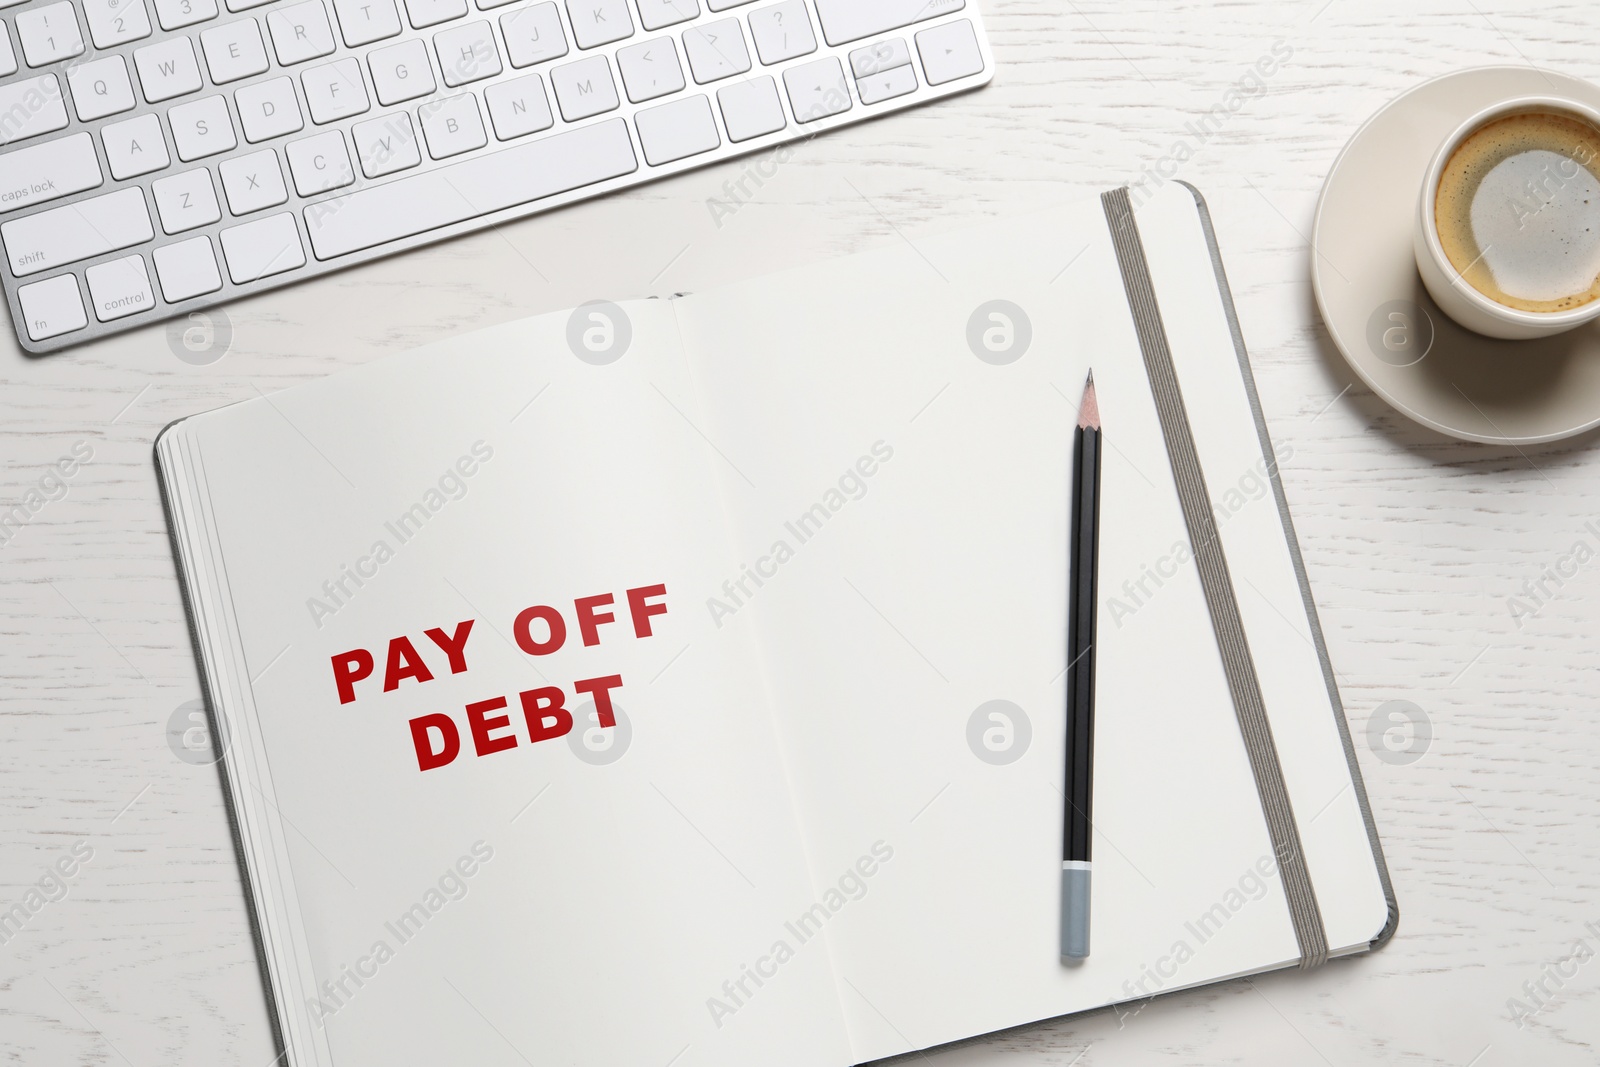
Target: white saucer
1372	300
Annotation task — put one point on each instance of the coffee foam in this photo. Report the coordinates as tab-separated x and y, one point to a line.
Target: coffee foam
1518	211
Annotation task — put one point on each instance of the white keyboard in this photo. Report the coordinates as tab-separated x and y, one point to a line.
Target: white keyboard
159	156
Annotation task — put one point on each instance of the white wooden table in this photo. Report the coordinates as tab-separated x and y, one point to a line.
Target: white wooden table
1415	545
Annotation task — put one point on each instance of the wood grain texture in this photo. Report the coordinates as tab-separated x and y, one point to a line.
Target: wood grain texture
1415	545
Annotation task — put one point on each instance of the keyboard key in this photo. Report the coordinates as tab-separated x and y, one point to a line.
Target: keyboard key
167	69
782	32
486	5
659	14
76	231
135	147
319	163
876	88
30	107
817	90
175	14
234	51
300	32
114	22
518	106
186	200
533	35
44	172
401	72
598	22
268	109
187	269
364	21
716	50
425	13
880	56
49	34
467	53
751	108
253	182
245	5
52	308
650	69
8	58
452	126
476	186
100	88
675	131
723	5
262	248
119	288
201	128
844	21
335	90
386	145
584	88
949	52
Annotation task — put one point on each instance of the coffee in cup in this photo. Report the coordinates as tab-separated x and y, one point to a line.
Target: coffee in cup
1518	211
1508	239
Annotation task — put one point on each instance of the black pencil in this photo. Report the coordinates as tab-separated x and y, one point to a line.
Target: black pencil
1082	602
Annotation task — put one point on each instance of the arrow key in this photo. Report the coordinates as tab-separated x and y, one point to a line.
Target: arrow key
949	52
817	90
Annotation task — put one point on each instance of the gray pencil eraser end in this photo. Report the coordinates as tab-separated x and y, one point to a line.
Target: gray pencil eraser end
1075	911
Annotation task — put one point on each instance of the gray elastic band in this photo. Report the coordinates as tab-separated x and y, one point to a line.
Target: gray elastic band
1216	582
1393	919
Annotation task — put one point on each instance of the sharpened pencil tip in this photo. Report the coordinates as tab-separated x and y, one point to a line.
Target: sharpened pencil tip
1089	410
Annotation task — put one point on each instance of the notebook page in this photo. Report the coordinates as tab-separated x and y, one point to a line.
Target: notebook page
586	899
908	520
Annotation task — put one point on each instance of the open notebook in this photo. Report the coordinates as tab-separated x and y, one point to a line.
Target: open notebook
790	556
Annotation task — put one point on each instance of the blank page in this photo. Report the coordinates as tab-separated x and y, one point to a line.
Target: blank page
904	502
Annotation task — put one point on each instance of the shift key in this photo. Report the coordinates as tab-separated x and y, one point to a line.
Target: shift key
76	231
48	171
844	21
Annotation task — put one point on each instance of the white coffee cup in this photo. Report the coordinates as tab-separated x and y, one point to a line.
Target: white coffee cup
1454	294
